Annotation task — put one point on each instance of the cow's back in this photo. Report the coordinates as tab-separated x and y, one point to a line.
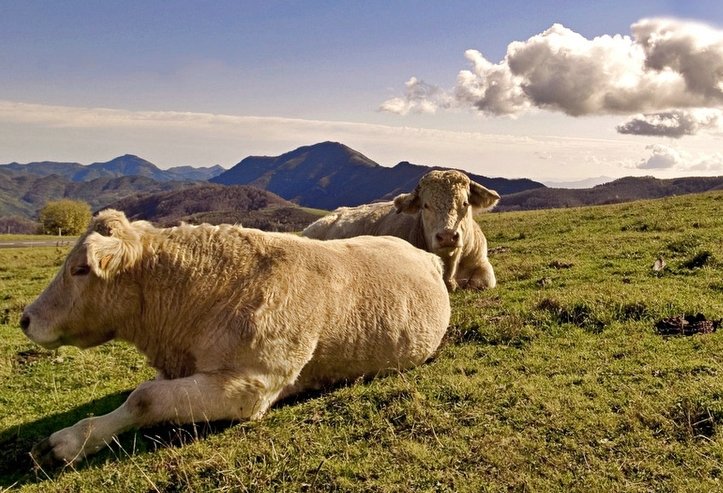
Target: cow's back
376	219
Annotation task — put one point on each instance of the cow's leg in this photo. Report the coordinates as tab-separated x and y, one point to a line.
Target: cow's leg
450	264
482	277
200	397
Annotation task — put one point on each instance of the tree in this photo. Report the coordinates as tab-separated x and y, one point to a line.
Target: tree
70	217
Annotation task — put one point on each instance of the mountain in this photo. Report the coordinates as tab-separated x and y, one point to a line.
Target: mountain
120	166
24	194
127	165
329	174
25	188
620	190
215	204
194	173
43	168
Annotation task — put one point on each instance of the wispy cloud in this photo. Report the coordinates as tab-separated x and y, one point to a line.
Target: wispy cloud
664	64
170	137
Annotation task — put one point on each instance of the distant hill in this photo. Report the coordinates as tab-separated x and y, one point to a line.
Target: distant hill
23	195
216	204
329	174
620	190
127	165
25	188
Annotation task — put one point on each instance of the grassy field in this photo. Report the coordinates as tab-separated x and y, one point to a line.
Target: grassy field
6	238
557	380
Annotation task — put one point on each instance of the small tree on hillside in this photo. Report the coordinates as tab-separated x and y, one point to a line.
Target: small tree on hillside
70	217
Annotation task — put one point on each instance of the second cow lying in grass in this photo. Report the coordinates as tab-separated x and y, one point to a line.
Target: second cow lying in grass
234	319
437	217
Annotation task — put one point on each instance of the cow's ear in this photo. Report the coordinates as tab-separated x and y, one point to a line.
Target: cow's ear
113	246
110	222
482	198
407	202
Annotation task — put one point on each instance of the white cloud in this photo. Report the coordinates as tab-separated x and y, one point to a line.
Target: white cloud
663	157
419	97
490	88
665	63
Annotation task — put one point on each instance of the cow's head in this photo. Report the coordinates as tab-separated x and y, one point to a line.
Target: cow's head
75	307
446	199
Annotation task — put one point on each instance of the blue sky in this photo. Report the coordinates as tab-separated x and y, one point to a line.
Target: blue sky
206	83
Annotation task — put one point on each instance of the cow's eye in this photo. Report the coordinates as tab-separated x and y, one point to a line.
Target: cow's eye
426	205
80	270
465	204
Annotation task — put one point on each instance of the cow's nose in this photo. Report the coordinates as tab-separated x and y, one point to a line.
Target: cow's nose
447	238
25	323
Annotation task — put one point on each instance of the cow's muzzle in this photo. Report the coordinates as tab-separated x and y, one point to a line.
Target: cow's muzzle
447	239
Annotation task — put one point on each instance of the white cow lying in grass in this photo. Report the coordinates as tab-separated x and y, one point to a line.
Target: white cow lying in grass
438	218
234	319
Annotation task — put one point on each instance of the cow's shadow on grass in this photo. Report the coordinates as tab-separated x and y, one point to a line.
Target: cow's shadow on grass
17	467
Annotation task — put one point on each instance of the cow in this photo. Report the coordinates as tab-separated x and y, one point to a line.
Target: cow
438	217
233	319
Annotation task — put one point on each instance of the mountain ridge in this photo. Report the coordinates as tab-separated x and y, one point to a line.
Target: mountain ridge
125	165
329	174
626	189
324	175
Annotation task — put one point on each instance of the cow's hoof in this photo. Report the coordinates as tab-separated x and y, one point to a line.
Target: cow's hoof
451	285
63	447
43	455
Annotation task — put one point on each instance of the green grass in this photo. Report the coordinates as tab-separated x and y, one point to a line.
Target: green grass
554	381
317	212
13	237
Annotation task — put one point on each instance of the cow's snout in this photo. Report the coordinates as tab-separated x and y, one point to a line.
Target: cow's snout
25	323
447	238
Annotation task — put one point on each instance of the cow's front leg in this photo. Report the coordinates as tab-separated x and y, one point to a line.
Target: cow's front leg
200	397
450	264
482	277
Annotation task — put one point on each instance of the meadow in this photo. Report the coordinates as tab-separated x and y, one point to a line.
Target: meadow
557	380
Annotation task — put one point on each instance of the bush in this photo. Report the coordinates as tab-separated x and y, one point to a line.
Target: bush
70	217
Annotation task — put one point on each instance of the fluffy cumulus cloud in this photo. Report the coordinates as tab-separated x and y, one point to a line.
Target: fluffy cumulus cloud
663	157
664	64
674	123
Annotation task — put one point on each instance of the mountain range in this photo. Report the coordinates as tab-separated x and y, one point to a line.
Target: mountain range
329	174
621	190
324	176
127	165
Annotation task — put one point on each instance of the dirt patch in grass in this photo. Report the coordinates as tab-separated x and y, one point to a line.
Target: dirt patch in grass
686	325
580	314
30	357
559	264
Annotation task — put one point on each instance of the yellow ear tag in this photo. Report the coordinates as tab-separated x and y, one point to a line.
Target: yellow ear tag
105	261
